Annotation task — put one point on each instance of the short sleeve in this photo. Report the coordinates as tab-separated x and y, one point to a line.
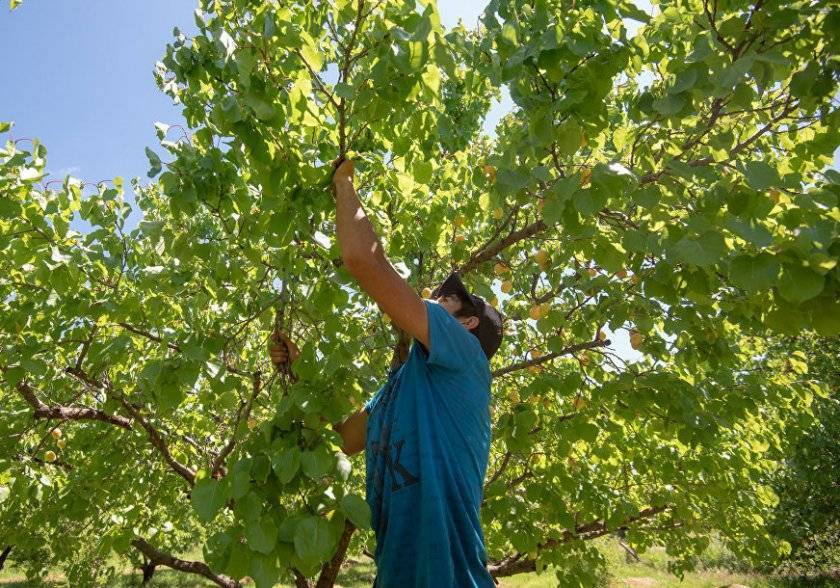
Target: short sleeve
452	347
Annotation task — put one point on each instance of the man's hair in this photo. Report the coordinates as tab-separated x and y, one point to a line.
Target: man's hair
467	309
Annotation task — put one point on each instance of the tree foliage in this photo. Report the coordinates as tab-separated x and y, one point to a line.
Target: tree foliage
808	514
670	185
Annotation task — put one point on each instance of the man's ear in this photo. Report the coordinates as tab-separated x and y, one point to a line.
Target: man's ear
471	323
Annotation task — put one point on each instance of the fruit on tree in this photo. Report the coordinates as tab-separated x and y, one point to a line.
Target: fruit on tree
427	292
535	312
507	286
56	433
50	456
500	268
252	423
541	257
636	339
498	213
490	172
62	443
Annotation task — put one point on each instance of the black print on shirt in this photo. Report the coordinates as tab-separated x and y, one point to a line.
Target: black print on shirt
391	453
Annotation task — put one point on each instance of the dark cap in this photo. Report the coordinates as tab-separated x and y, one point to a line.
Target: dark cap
489	329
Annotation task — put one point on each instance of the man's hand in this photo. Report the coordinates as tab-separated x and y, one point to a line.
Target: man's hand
343	171
282	350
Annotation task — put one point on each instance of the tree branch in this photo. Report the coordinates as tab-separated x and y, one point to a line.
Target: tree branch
67	413
160	558
548	357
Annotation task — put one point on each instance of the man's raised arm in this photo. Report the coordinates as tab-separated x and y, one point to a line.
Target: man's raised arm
364	258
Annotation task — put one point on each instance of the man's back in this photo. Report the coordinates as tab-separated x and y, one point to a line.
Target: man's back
428	442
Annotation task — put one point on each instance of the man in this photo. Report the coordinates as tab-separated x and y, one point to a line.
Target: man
427	430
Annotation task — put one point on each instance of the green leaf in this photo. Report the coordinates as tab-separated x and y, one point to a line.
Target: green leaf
422	171
154	162
610	256
357	510
239	563
568	137
5	126
240	478
261	534
264	570
313	540
754	273
208	496
286	463
825	317
668	105
761	176
317	463
313	57
249	507
798	284
703	251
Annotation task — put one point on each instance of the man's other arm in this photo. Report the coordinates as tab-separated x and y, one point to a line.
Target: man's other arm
354	432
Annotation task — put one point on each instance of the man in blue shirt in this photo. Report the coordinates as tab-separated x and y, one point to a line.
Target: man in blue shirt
426	431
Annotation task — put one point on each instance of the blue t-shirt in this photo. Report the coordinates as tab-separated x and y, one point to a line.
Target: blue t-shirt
428	442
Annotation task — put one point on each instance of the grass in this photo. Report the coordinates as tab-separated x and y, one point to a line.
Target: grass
359	572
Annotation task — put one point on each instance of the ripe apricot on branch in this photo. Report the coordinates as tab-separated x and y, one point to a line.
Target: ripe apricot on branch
500	269
490	172
541	257
62	443
56	433
50	456
427	292
507	286
252	423
636	338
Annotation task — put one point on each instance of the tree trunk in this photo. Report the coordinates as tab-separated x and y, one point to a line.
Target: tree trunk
4	555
